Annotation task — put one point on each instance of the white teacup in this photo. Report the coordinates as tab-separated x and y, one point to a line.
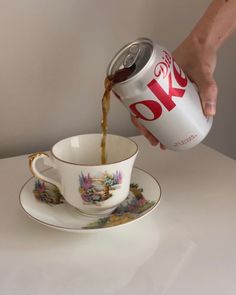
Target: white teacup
85	183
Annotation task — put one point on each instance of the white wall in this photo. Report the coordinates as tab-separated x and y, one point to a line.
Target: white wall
53	58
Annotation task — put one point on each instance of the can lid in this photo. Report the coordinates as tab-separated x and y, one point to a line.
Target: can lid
136	53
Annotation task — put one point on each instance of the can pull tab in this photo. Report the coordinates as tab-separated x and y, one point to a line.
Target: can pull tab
132	56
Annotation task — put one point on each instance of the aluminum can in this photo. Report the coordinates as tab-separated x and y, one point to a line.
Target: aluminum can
160	95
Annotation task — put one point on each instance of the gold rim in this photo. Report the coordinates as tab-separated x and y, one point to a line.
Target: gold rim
94	165
90	230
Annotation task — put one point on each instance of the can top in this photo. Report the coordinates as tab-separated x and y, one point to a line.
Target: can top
136	53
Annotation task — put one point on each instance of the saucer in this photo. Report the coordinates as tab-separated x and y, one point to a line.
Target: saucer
43	202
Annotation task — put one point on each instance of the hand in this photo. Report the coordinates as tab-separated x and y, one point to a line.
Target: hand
198	61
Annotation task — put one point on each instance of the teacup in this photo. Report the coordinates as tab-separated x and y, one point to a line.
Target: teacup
85	183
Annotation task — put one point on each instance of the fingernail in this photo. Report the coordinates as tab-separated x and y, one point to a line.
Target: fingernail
153	141
210	108
162	147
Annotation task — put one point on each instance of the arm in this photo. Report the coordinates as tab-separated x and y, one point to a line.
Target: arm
217	23
197	54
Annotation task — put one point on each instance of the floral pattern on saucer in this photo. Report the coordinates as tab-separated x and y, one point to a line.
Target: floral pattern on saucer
47	193
133	207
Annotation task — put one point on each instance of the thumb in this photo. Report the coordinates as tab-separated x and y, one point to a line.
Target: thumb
207	88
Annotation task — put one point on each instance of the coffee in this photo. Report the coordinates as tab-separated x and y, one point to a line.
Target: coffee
118	76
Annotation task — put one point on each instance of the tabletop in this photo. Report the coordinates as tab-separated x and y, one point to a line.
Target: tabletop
187	245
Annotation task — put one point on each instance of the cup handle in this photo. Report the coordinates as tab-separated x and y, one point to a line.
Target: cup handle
32	164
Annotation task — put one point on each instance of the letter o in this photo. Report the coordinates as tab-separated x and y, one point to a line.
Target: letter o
152	105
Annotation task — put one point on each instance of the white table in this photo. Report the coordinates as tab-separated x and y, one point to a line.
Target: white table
186	246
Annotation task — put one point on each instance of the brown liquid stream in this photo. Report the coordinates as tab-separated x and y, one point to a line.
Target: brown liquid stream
117	77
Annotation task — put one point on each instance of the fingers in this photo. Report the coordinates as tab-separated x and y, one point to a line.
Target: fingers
208	92
152	139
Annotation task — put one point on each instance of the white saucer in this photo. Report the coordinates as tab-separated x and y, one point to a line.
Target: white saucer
43	202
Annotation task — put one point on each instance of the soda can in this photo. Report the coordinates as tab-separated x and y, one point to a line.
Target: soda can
160	95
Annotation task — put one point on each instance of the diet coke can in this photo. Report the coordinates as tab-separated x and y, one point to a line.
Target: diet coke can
160	95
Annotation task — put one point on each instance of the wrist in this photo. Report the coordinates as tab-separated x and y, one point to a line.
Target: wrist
203	41
216	25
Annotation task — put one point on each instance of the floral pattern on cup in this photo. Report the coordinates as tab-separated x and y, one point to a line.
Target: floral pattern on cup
94	190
